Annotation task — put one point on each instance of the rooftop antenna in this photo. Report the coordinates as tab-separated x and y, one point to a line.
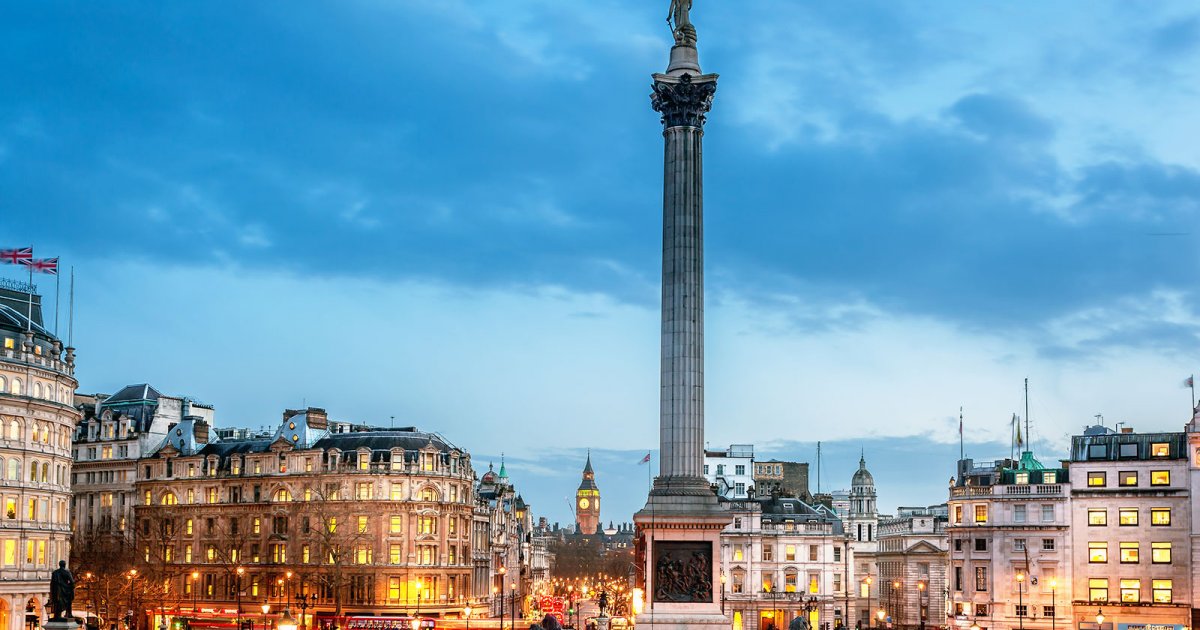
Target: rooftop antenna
1028	437
818	467
71	312
1099	419
392	423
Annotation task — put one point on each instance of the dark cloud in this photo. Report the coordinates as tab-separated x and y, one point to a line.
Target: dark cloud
404	145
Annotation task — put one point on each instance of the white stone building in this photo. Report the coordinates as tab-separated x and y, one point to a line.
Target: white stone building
912	558
1010	545
783	558
731	471
1132	528
113	434
37	386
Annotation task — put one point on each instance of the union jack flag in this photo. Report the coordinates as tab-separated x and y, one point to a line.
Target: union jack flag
16	256
43	265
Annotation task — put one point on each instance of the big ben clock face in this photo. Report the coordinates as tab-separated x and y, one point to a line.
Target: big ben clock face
584	503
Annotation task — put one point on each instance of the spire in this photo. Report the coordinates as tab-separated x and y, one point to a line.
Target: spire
587	468
503	473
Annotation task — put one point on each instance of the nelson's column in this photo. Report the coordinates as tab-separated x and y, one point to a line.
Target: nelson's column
679	529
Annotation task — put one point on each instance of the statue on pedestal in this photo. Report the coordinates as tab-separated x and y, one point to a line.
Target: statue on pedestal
681	24
62	591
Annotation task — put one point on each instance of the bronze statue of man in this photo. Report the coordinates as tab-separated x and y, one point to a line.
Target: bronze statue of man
62	591
679	13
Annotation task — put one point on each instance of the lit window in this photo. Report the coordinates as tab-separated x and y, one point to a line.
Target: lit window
304	554
394	525
813	583
1161	591
428	494
1130	590
364	461
980	513
737	552
1160	477
363	491
1160	516
212	495
362	524
1128	516
1098	589
1127	478
790	553
1049	476
1160	552
394	553
1022	478
332	525
257	525
282	495
1097	552
1160	449
1097	517
1129	553
187	527
1097	479
169	499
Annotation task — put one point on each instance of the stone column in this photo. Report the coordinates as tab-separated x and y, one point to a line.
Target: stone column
679	529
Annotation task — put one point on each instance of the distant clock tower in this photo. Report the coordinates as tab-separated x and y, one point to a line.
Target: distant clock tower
587	501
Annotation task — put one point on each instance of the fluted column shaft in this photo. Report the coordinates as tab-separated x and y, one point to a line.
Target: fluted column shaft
683	102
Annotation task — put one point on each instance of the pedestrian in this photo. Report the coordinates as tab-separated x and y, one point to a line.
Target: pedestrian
534	626
550	622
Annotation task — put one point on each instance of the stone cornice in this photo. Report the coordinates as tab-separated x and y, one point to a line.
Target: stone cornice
685	101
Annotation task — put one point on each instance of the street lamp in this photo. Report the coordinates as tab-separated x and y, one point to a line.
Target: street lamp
240	572
512	604
895	616
287	586
869	580
467	616
195	578
1053	603
921	603
1021	600
418	613
1099	617
286	622
722	593
302	599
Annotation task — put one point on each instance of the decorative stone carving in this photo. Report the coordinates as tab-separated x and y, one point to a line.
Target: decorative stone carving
683	572
681	23
683	104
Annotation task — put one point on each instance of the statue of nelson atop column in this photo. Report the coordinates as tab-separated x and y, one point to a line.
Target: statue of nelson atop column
681	24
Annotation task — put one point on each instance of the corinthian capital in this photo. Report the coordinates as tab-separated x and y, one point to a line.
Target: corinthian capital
683	103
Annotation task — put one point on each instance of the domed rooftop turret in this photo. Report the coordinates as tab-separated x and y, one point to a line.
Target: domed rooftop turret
862	476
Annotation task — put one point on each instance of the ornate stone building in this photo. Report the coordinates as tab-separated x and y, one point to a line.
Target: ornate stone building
912	566
113	434
784	558
1010	545
356	520
587	501
37	418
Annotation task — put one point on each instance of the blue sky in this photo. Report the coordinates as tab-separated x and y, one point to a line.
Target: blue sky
448	212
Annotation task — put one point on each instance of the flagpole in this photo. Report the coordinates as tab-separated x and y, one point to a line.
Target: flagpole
71	313
29	314
1027	436
961	453
57	293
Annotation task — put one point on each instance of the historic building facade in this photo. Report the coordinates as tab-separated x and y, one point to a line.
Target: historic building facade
355	520
784	558
1132	528
587	501
113	434
1010	545
912	559
731	471
37	417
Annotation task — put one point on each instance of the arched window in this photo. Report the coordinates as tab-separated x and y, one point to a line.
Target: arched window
282	495
14	430
45	434
3	384
37	390
169	498
429	494
16	386
14	469
33	471
45	472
